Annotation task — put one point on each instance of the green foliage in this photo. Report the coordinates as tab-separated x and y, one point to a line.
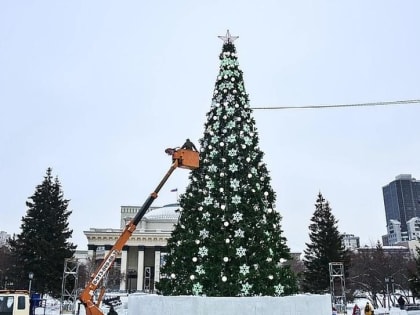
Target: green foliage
325	246
43	245
228	241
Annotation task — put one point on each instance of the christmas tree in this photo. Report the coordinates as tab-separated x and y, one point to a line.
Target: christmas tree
325	246
228	240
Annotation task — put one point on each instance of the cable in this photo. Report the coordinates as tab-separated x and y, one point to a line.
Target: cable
342	105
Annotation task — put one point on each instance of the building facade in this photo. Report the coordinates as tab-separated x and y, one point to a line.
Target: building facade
143	254
402	203
350	241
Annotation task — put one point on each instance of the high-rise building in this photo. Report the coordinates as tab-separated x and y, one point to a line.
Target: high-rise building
402	203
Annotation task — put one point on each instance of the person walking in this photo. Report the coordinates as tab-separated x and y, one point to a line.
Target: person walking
401	302
356	309
369	309
112	311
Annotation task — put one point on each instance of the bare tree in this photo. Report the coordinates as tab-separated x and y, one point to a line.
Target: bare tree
376	272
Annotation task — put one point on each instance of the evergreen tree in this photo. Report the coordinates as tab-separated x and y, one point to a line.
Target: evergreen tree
325	246
228	240
43	243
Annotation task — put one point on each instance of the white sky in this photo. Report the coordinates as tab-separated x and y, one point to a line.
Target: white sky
98	89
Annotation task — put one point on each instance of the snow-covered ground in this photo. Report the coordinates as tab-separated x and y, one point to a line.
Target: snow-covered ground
53	308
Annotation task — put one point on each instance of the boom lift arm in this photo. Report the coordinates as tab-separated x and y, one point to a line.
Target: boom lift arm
187	159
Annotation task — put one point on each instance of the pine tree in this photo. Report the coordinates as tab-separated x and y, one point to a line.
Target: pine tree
228	240
43	244
325	246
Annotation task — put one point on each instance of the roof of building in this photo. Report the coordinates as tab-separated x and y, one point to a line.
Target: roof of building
167	212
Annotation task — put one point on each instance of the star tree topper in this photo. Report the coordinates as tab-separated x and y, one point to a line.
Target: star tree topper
228	38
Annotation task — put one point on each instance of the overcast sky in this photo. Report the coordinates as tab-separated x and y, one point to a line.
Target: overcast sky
97	90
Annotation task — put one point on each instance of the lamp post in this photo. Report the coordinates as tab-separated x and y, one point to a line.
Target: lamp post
30	276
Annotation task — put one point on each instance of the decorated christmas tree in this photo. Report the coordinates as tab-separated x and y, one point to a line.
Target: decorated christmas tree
228	240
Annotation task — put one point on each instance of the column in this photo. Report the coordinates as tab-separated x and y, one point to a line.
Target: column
123	283
92	252
157	264
140	268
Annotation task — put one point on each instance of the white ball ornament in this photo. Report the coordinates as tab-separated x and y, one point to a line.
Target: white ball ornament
222	144
249	175
266	193
233	79
210	147
224	117
194	259
225	76
227	241
223	160
269	210
173	276
222	207
192	277
226	223
269	259
200	208
224	278
225	259
197	242
234	91
221	189
270	277
262	178
222	174
248	159
236	105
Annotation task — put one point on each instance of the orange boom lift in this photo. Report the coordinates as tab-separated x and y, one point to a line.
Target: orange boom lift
182	158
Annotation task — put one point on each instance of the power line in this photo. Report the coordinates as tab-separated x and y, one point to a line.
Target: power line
343	105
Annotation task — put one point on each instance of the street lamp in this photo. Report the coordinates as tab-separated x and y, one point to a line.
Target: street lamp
30	276
389	281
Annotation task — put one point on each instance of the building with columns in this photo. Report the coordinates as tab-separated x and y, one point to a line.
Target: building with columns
142	255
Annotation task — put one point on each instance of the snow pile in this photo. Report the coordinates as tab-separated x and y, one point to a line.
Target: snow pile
182	305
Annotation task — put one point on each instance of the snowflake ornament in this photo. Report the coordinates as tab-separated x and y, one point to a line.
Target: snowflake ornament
233	167
200	270
208	201
230	125
279	289
239	233
240	251
202	251
210	184
236	199
197	288
244	269
213	168
231	138
234	183
204	233
245	288
233	152
237	216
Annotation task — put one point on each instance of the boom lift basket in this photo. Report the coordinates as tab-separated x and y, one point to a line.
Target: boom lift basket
186	158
